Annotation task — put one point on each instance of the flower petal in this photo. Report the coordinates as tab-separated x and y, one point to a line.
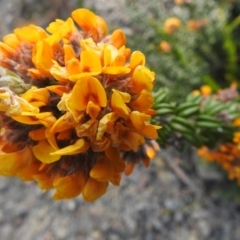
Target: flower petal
102	170
88	89
69	186
94	190
78	147
13	162
42	152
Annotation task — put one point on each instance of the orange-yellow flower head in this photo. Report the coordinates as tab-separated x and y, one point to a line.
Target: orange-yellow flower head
171	25
75	106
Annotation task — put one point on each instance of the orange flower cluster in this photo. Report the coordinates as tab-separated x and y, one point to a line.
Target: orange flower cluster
87	105
227	156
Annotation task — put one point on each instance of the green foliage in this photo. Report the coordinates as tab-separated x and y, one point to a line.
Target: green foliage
197	121
208	54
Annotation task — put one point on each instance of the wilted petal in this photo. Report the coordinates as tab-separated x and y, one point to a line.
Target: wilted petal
109	118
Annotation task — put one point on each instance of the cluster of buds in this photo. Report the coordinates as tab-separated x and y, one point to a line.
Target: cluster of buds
84	106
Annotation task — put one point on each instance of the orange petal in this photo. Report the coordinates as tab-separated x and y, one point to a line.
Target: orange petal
88	89
69	186
85	19
42	152
102	170
113	154
116	178
101	27
68	53
13	162
37	134
93	110
73	66
44	181
144	101
27	173
118	38
93	190
129	168
58	89
150	131
61	124
79	146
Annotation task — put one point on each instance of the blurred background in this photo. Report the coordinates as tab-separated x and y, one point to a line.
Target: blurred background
188	43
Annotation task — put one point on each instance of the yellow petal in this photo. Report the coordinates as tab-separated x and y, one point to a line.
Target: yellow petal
78	147
93	190
42	152
69	186
137	58
30	33
116	70
118	105
11	40
44	57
